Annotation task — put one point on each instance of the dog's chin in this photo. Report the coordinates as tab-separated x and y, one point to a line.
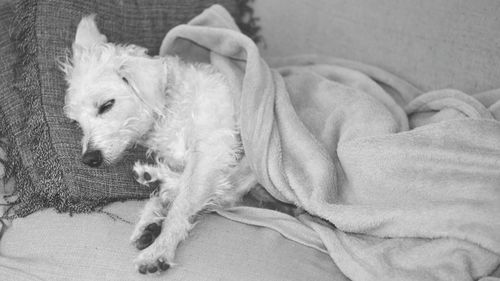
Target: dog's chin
115	157
110	160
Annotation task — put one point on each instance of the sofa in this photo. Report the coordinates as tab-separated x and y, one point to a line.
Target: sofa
62	244
73	223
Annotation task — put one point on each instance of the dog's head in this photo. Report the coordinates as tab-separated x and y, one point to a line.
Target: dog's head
109	88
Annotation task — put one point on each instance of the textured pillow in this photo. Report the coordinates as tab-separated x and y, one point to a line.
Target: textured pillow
7	61
46	146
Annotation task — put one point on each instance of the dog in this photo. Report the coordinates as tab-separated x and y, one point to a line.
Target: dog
183	113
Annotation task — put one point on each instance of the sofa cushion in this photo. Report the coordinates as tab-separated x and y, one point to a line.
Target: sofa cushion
46	146
51	246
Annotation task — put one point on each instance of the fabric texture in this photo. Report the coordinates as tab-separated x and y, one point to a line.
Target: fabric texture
7	61
407	188
44	147
50	246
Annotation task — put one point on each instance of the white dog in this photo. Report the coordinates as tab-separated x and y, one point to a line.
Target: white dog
183	113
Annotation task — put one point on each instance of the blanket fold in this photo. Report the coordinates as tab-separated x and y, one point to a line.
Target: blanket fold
407	183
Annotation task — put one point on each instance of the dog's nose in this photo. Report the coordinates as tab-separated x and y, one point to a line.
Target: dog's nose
93	158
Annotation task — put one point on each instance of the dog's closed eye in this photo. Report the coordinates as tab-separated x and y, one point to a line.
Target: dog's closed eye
105	107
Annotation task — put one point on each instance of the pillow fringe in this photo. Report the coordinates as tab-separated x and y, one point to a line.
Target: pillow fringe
38	169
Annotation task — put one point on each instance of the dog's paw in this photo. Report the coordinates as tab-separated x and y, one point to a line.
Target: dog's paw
153	259
159	266
144	238
146	174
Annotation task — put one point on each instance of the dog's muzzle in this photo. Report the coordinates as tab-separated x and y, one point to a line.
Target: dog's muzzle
92	158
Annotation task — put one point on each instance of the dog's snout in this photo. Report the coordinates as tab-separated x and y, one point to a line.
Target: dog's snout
93	158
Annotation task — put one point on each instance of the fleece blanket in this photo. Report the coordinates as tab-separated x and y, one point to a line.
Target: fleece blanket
398	184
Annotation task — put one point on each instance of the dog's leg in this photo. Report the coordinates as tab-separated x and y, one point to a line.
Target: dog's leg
199	184
149	225
155	210
242	180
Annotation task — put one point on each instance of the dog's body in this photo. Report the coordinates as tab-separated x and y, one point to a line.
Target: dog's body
183	113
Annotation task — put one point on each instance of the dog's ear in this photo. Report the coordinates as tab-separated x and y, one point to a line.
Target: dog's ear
87	34
141	74
134	71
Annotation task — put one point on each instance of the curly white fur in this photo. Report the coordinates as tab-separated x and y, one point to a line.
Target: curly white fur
183	113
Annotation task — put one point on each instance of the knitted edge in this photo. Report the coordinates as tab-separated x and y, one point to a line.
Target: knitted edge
42	185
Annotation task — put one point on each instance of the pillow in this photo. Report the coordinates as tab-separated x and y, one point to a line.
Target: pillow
46	147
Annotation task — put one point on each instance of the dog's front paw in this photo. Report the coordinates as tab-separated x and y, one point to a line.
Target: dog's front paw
142	238
154	259
158	266
146	174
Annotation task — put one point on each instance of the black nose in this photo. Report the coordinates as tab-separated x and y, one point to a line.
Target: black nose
93	158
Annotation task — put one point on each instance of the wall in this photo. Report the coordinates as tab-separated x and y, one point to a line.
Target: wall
433	44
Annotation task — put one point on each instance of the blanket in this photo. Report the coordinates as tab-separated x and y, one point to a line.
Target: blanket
398	184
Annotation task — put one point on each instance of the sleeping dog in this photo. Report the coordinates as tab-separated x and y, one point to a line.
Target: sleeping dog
183	113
